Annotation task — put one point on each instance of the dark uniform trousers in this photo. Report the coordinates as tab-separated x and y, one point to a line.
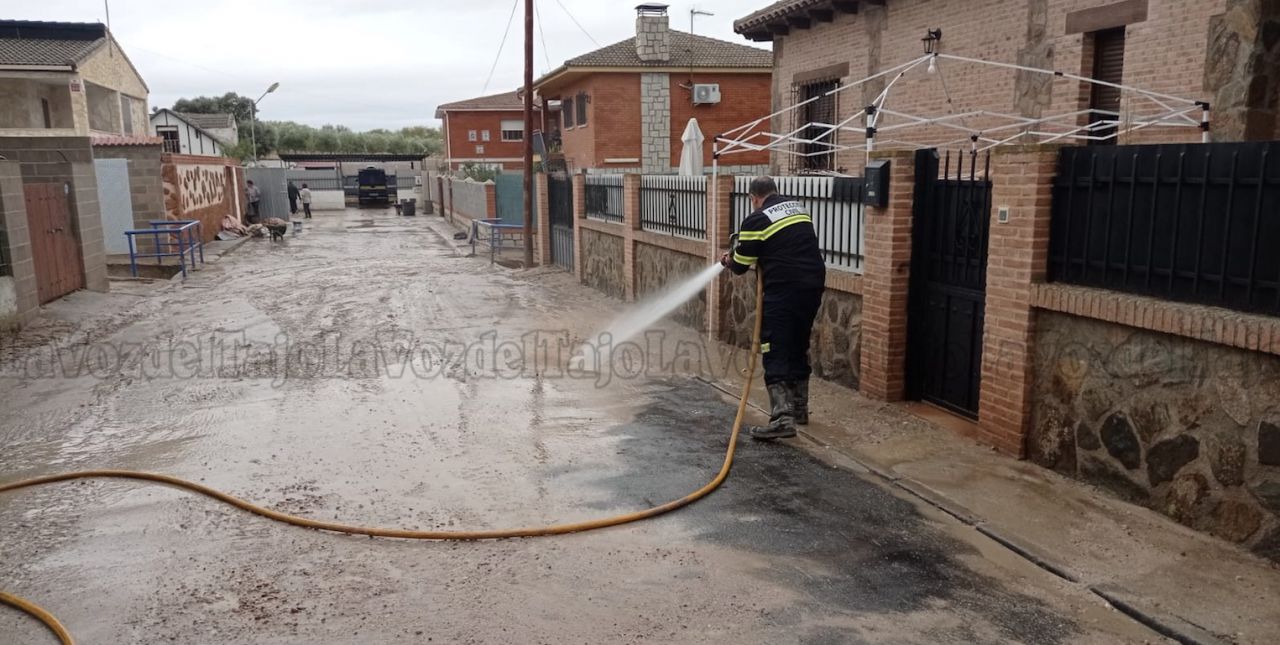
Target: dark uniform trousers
780	237
785	333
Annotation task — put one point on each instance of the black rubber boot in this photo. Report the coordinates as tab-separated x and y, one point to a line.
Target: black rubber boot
800	401
782	424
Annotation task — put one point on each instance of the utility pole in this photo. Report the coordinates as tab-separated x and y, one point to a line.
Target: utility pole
528	135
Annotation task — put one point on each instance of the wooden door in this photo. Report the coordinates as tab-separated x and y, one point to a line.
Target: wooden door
55	248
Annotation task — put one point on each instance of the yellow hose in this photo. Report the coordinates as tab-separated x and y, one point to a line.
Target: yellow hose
556	529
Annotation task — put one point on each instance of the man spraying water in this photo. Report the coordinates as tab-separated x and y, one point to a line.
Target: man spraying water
779	237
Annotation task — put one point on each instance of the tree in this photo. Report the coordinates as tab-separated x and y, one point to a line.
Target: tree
287	136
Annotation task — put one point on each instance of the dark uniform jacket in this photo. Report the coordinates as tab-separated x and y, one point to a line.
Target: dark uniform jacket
780	238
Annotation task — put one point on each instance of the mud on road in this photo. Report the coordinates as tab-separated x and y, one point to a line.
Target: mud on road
267	375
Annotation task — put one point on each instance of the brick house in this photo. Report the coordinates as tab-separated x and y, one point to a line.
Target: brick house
1210	50
625	106
65	79
489	130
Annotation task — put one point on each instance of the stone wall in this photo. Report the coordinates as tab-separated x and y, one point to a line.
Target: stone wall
655	122
1187	428
602	258
836	346
657	267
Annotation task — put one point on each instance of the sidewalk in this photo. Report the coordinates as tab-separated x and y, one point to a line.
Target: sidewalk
1186	585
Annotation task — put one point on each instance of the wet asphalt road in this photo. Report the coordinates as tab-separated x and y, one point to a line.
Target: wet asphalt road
302	417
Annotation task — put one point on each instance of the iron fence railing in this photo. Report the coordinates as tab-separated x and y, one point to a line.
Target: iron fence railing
674	205
1196	222
834	203
604	197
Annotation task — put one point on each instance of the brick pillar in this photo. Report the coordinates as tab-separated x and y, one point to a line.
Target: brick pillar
630	224
490	200
579	212
886	284
719	226
1022	182
542	229
450	200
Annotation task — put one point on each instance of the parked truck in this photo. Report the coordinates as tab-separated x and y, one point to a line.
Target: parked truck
374	188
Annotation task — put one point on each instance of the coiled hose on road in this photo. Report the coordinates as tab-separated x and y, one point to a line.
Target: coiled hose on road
64	635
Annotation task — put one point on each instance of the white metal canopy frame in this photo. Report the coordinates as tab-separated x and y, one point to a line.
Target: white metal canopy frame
877	123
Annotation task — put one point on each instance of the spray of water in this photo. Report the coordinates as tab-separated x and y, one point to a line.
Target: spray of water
641	317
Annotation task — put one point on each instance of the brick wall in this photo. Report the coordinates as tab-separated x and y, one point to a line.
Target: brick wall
1165	53
615	108
510	154
13	221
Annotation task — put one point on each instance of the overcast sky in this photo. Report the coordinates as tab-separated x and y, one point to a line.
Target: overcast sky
364	64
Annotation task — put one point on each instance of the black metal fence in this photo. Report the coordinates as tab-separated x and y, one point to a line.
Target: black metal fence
834	203
604	197
676	205
1197	222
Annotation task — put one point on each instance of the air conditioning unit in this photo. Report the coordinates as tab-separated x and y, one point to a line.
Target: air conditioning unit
706	93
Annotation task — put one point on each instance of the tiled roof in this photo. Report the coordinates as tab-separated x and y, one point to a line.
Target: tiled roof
775	11
125	140
510	100
208	121
25	42
687	50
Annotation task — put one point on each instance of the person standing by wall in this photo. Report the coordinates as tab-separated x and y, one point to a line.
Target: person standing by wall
305	194
778	237
293	198
254	194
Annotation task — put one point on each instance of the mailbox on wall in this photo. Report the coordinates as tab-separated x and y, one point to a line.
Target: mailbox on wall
877	186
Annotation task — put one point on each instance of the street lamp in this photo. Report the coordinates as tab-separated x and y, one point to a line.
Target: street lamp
253	121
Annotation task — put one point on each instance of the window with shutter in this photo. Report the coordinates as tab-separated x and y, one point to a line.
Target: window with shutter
582	108
1108	66
566	108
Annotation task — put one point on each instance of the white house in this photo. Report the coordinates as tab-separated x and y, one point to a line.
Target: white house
220	126
183	136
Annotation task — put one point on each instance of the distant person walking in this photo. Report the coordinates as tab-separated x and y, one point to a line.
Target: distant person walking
305	194
255	201
293	198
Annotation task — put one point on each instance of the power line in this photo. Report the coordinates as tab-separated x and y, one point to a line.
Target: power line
501	45
545	54
575	21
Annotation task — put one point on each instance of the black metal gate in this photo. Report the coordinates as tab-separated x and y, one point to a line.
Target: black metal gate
952	213
560	204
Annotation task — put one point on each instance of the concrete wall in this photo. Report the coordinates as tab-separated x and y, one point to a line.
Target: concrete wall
1185	427
104	109
473	200
61	159
21	108
145	186
602	256
13	221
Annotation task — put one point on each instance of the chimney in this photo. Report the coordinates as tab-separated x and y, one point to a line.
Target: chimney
653	36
